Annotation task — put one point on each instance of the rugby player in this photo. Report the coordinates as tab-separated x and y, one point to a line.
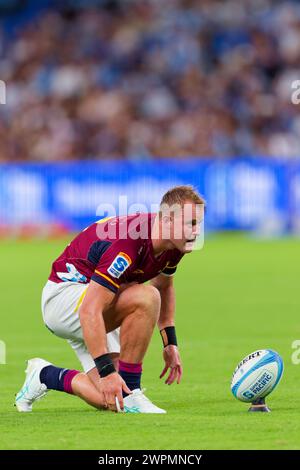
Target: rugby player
96	298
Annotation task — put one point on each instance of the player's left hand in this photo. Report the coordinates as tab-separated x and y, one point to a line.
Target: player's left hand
173	362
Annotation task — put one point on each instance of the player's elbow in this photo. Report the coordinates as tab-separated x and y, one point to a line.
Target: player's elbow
166	290
162	283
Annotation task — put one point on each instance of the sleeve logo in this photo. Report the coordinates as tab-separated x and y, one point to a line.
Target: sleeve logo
119	265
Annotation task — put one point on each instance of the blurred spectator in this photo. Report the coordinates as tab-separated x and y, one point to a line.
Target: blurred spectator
142	80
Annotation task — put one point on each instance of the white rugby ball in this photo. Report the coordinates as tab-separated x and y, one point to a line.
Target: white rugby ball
257	375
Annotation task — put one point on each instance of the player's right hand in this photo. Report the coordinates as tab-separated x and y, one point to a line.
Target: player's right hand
112	386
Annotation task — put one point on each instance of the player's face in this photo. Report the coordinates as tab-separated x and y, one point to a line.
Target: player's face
186	227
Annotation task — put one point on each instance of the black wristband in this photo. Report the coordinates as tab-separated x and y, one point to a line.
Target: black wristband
104	365
168	335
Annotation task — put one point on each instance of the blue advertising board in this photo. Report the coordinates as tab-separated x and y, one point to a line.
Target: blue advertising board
241	194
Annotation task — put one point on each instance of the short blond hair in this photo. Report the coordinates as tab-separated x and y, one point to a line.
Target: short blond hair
181	194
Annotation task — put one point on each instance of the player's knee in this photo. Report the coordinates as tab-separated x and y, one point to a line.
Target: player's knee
148	299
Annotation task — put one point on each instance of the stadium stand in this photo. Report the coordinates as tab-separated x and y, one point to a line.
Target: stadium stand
132	79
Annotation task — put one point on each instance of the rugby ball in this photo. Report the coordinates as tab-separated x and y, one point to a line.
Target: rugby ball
256	375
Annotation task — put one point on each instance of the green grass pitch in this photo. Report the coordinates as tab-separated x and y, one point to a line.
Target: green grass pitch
236	295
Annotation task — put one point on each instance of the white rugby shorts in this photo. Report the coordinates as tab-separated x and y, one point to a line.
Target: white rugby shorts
60	305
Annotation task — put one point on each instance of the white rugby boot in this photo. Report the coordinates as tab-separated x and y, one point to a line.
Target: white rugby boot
137	402
32	389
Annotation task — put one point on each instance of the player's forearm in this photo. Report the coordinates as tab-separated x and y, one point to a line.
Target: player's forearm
94	332
167	310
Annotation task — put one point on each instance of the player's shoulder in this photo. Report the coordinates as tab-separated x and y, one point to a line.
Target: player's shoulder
124	233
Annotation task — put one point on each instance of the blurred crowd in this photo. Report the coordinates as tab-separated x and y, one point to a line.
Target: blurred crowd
153	78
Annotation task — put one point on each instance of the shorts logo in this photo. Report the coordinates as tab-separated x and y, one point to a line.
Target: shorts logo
119	265
73	275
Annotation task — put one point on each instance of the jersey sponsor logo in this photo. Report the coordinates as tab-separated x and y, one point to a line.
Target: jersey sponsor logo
119	265
73	275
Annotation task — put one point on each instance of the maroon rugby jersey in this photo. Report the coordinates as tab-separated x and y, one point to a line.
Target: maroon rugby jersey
114	251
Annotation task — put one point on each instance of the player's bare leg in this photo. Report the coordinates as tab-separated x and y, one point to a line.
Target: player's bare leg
42	376
140	307
83	386
136	310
